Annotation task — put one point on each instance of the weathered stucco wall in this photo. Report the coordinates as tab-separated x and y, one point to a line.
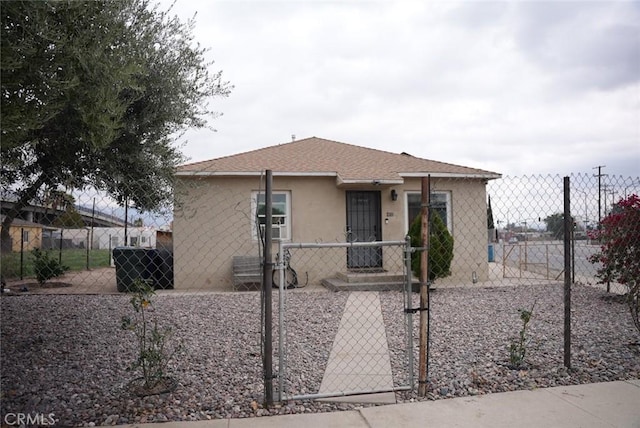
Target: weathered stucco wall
212	223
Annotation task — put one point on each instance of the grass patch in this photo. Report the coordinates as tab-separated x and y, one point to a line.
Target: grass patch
75	258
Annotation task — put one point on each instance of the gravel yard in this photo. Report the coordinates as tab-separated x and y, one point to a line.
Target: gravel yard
66	354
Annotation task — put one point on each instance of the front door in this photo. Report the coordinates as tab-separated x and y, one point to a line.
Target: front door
363	225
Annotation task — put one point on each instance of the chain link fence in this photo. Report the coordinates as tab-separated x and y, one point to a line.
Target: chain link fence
339	345
214	227
342	310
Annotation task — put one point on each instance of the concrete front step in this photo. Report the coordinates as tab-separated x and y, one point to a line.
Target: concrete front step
337	284
369	277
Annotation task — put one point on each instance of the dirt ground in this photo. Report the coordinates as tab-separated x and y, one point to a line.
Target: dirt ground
95	281
103	281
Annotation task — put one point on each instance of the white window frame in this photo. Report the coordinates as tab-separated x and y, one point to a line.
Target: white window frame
447	195
281	229
25	235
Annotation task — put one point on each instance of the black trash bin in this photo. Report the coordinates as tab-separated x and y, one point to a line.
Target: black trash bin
131	264
162	266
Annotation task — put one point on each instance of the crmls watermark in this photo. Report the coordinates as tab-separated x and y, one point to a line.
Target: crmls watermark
28	419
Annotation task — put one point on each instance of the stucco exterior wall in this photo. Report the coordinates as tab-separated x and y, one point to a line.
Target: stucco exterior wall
34	241
468	223
212	223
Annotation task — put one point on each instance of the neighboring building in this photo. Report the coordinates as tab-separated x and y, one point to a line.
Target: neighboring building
323	191
164	239
111	237
26	235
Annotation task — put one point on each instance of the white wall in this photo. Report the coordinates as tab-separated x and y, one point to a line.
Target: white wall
144	237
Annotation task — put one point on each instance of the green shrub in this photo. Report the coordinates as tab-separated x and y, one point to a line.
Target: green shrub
10	265
440	247
45	266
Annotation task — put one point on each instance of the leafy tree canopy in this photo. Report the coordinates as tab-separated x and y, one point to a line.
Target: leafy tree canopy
70	218
93	94
555	225
490	222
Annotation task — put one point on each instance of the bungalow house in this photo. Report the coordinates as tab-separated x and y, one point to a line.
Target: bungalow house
323	191
26	235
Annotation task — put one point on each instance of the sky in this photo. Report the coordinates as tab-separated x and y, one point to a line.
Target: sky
518	88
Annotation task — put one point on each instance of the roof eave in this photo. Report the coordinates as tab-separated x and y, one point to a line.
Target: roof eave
371	181
484	175
253	174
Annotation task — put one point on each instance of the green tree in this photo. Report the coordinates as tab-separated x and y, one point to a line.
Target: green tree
70	218
555	225
440	247
58	199
94	94
490	222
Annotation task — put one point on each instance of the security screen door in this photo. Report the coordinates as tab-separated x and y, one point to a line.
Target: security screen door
363	225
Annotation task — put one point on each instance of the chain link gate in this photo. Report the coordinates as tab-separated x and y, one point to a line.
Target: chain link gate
355	340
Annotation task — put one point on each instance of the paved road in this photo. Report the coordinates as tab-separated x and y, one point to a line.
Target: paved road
546	257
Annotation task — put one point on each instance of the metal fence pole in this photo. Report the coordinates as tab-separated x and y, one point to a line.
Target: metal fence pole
266	284
568	225
88	250
573	254
409	307
60	246
21	253
281	332
424	291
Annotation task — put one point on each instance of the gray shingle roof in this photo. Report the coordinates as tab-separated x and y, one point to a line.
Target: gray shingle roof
320	157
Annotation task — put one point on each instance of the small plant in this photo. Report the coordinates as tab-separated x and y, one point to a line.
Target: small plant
440	247
518	347
154	352
45	266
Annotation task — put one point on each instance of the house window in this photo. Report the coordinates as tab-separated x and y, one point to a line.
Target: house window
440	205
133	241
143	239
25	236
280	213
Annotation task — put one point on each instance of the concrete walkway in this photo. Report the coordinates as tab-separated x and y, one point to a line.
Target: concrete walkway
359	359
597	405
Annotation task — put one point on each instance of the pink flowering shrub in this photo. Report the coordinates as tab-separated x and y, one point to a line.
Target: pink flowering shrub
619	255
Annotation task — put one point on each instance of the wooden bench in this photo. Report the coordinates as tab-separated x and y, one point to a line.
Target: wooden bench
246	270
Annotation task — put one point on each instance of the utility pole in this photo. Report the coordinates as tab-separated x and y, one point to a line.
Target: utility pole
599	175
605	189
613	198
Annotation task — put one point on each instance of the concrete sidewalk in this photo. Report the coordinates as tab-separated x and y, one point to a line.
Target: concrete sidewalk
611	404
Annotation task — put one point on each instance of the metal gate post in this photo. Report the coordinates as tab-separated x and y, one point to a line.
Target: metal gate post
267	292
281	332
408	306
